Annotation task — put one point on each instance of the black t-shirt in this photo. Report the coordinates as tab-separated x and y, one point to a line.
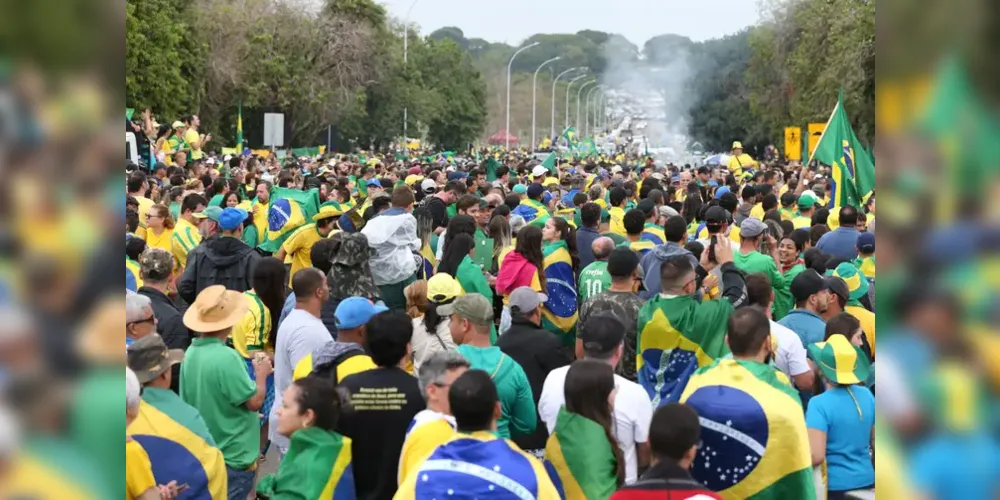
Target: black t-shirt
384	402
439	212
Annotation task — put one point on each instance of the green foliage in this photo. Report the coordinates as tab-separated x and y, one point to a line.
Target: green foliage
457	95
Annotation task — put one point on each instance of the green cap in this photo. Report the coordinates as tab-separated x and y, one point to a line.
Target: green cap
212	212
807	201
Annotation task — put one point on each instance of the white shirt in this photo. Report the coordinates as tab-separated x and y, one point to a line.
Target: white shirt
633	413
298	336
791	356
425	344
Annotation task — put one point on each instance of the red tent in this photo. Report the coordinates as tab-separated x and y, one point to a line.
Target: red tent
502	137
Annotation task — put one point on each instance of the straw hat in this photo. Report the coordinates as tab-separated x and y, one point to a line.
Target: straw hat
840	361
215	309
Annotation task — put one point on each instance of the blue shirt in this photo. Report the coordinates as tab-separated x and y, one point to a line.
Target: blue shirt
957	467
585	237
841	242
848	435
806	324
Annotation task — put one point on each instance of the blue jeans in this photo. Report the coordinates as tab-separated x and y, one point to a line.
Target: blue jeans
240	483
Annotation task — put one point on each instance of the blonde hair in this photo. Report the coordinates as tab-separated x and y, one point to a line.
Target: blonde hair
168	220
416	299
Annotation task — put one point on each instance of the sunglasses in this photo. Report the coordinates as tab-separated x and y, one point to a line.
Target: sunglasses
147	320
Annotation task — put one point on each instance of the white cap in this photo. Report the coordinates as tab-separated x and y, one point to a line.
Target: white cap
227	158
539	171
658	176
210	161
617	169
809	192
428	186
450	168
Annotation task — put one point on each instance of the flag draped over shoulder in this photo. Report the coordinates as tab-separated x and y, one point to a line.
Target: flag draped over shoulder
753	433
478	466
579	452
177	454
317	465
533	212
853	169
559	313
290	209
676	336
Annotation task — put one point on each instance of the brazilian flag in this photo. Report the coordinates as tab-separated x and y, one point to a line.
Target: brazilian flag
317	465
290	209
581	455
754	443
559	313
676	336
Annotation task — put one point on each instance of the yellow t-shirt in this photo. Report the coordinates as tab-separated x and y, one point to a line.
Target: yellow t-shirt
133	267
617	220
867	320
144	205
738	163
138	470
162	241
184	238
350	366
192	136
420	443
802	222
298	246
260	221
251	332
757	211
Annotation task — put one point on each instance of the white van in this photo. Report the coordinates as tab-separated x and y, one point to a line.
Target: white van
131	148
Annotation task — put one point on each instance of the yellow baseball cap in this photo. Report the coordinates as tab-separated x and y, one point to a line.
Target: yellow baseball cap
442	288
737	145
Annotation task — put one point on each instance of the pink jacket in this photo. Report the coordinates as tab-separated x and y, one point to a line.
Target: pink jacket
515	271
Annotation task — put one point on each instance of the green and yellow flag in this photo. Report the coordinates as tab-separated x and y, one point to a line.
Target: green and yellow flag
239	130
289	210
572	141
581	455
754	443
853	167
318	465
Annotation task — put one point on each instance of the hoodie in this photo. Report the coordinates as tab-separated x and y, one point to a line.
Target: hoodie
809	326
515	272
742	213
222	260
650	264
518	415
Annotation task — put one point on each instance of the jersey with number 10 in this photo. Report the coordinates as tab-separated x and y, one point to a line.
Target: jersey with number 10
594	279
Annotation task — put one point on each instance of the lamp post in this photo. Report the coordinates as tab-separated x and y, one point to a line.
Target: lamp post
406	32
534	83
552	126
510	63
578	94
568	87
586	110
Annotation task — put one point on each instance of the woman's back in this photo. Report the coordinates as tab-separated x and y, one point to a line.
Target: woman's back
847	415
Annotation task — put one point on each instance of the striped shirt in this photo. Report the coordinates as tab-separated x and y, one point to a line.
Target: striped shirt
184	239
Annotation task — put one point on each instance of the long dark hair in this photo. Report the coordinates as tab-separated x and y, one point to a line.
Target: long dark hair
269	283
431	318
589	384
692	204
454	253
459	224
529	245
568	234
322	397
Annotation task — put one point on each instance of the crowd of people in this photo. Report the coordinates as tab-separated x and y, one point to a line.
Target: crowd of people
602	328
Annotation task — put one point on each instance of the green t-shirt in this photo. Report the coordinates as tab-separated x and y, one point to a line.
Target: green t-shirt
756	262
594	279
214	381
174	407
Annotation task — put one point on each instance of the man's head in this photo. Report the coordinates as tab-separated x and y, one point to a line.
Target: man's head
309	286
623	266
136	184
139	318
866	244
749	335
471	317
674	433
474	402
156	266
807	203
704	173
468	205
388	334
436	375
231	221
602	337
151	361
263	192
590	215
677	276
839	295
602	248
402	197
686	179
752	231
192	121
759	292
811	292
215	310
452	191
634	222
716	220
848	217
535	192
675	229
749	194
526	303
618	196
352	314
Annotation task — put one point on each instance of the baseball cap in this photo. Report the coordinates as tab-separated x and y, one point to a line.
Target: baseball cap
737	145
617	169
721	191
526	298
177	125
539	171
716	216
667	211
231	218
415	171
156	262
456	175
353	312
622	262
443	288
373	182
647	205
520	189
601	333
428	186
807	283
866	242
658	176
838	286
787	199
473	307
149	357
752	228
675	178
535	190
212	212
807	200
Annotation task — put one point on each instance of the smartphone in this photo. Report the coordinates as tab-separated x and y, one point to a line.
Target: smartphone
181	488
711	247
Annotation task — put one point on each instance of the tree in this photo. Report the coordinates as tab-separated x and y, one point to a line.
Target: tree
450	33
162	63
458	95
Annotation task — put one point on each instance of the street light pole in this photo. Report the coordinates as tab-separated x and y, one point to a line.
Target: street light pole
406	39
586	110
578	93
552	126
510	63
568	87
534	83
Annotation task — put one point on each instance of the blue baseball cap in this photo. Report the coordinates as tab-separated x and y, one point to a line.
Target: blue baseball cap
721	191
232	218
455	176
353	312
374	182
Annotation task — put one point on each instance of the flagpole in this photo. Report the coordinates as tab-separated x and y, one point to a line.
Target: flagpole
578	93
552	126
568	87
510	63
534	86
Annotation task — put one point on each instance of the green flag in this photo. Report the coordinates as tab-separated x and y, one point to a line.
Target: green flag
129	112
491	169
853	168
572	141
317	466
239	130
550	163
581	455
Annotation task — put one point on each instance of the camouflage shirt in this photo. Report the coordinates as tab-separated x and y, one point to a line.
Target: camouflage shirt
624	306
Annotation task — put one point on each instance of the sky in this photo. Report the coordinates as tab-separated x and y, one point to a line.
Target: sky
511	21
